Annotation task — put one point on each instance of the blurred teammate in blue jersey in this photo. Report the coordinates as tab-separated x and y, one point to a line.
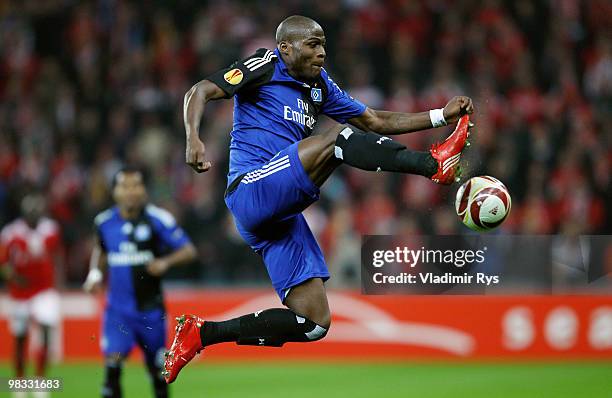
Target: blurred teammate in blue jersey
136	243
277	167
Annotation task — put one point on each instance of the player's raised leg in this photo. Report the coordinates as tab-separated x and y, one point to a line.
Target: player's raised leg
307	319
310	300
321	154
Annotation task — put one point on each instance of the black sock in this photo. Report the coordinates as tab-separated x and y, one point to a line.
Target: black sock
20	355
272	327
160	387
413	162
41	359
112	387
374	152
220	332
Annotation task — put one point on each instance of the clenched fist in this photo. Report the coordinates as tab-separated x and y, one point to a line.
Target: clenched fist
194	155
158	267
457	107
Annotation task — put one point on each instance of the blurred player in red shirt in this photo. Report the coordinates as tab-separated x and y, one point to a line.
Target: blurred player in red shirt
30	249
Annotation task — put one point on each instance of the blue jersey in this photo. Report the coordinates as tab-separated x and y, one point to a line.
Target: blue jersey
129	246
272	110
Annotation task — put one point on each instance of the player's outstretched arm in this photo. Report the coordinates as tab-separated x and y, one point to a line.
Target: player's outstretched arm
389	123
193	109
184	255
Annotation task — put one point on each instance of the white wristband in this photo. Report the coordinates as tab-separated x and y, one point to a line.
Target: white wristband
94	276
437	117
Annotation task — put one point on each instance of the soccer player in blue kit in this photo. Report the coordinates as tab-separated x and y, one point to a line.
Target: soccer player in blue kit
136	243
277	168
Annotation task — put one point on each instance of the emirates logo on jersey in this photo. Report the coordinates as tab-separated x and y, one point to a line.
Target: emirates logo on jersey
302	116
234	76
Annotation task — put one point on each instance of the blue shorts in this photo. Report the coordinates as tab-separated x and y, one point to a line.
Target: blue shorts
121	331
267	205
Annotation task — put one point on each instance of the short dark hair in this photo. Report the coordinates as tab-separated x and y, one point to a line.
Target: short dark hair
129	170
295	27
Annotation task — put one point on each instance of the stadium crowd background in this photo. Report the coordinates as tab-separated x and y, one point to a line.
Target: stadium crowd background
88	86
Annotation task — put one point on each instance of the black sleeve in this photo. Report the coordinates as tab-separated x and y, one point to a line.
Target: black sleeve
248	73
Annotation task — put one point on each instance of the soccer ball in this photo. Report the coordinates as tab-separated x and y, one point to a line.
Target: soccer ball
483	203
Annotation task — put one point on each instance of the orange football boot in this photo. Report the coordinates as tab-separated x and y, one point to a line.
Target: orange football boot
448	153
186	345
